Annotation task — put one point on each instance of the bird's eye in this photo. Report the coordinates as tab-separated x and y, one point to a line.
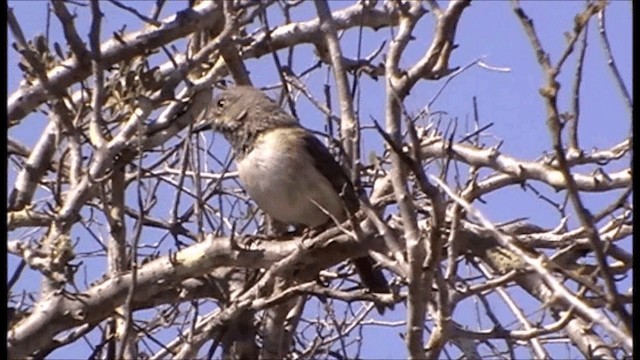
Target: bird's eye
221	103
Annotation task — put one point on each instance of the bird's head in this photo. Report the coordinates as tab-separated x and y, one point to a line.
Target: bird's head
241	113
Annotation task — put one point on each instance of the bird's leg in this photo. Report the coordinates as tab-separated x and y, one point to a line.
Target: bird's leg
310	233
274	227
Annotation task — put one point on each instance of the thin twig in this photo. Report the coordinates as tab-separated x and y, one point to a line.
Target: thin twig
137	14
574	147
612	63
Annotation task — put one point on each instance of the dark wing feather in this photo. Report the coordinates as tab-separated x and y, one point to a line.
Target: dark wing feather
372	277
327	165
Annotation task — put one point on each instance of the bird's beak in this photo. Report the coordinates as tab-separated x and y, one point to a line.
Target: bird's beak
202	126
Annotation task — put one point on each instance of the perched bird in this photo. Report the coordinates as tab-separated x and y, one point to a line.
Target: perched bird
286	170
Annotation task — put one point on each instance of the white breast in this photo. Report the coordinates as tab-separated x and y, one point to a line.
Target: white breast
285	184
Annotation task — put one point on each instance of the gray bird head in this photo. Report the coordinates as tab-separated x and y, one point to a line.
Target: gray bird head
243	112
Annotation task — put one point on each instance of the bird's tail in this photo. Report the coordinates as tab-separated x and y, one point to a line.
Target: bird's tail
373	279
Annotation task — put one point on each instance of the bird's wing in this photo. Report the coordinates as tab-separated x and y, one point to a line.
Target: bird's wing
372	277
330	169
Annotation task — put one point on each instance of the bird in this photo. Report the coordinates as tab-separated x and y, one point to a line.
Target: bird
286	170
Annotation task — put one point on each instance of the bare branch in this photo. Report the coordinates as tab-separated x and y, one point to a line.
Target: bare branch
23	101
549	93
349	125
611	62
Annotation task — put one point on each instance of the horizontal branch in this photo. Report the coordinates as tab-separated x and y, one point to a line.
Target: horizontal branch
62	311
309	31
522	170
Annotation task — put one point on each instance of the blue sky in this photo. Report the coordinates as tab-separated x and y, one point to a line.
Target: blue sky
510	100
